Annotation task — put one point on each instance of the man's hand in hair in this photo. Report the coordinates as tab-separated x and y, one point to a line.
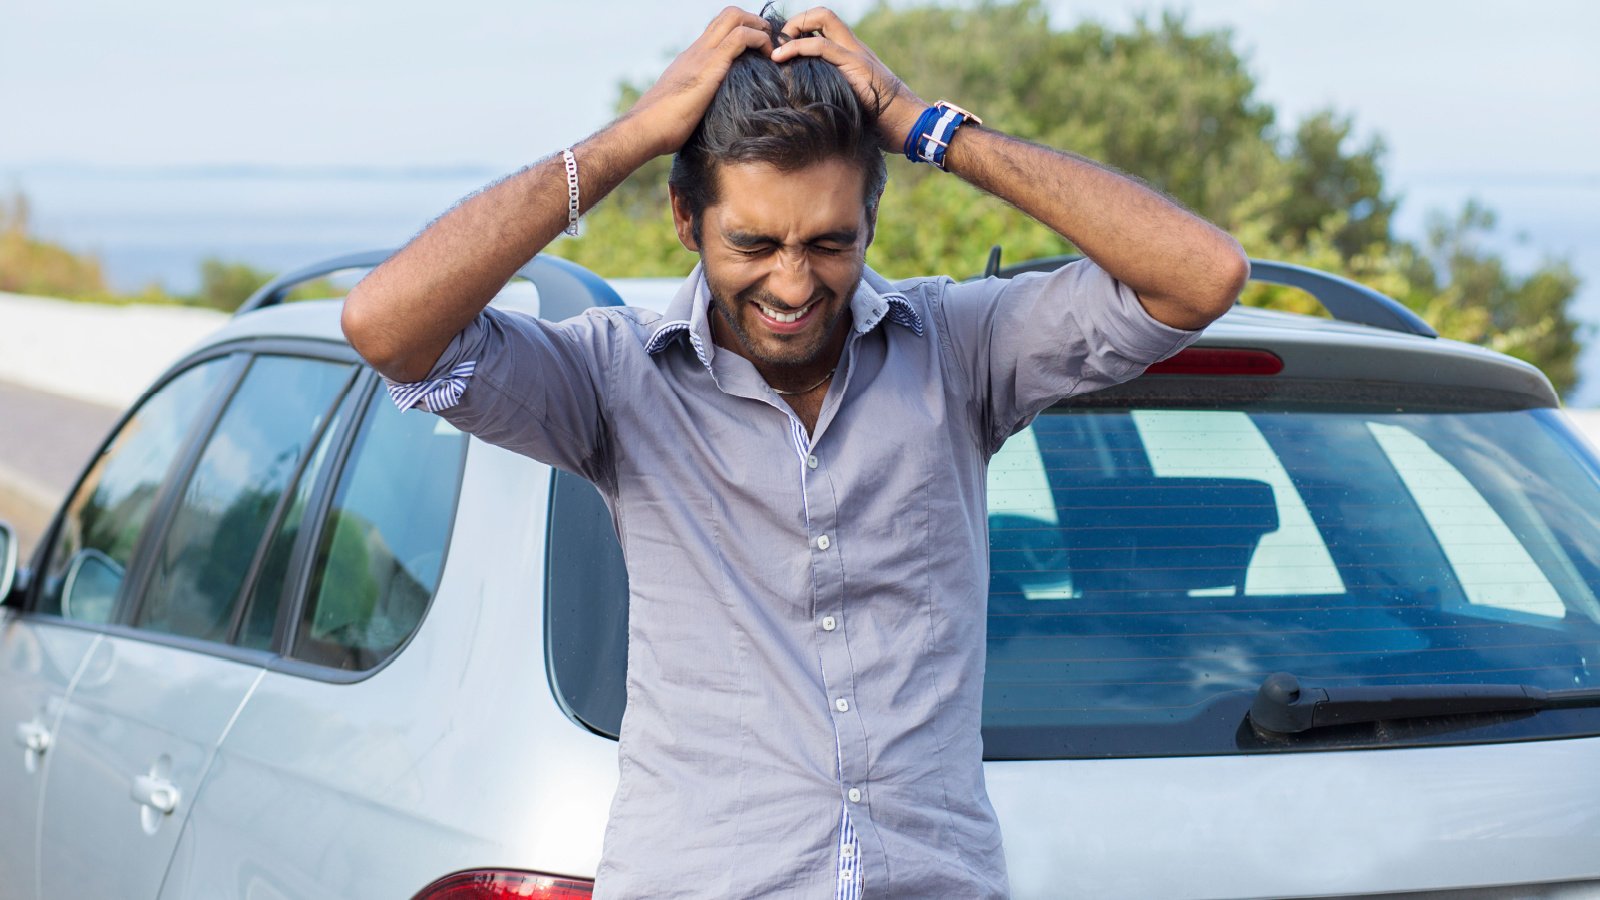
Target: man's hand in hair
819	32
674	105
1184	270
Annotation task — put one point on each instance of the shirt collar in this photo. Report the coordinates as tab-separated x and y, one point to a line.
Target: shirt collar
688	315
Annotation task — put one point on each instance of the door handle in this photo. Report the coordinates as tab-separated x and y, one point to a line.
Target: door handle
33	737
159	794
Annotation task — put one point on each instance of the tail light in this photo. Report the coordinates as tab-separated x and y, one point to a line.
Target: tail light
1218	361
501	884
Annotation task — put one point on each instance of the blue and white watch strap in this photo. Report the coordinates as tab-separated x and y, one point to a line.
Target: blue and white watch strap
932	145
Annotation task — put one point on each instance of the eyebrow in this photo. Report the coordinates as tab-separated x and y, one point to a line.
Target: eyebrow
749	239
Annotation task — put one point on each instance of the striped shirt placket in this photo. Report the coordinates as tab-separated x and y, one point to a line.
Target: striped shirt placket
849	873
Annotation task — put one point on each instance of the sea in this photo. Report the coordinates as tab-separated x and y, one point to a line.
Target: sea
156	224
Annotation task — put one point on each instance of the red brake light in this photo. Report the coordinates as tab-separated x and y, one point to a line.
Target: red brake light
1218	361
500	884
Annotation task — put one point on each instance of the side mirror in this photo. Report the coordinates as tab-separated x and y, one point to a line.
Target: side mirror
8	561
89	591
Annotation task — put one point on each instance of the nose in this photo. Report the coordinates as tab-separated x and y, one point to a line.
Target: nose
792	280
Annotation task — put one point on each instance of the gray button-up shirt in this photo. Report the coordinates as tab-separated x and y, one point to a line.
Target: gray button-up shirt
807	612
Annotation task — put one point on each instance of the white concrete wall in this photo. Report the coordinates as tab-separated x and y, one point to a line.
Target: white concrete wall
102	354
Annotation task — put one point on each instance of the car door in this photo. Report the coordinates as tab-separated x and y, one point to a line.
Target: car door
157	692
321	786
37	664
44	645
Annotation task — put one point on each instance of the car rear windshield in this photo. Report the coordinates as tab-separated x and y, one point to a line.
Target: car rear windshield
1153	561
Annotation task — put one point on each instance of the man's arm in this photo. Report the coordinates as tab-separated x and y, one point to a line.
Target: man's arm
1185	271
405	312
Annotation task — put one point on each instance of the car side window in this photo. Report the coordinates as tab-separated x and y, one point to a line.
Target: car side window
381	548
586	606
107	514
228	501
259	622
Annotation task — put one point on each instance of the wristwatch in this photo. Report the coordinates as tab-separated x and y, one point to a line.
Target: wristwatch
932	145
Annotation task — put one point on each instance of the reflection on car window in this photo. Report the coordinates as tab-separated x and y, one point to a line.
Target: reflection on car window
261	609
1025	514
1194	552
207	550
382	547
586	605
1226	444
1493	567
108	512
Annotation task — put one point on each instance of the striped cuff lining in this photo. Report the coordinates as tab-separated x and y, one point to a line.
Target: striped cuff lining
433	395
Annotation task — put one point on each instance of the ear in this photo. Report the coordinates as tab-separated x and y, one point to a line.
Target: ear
683	222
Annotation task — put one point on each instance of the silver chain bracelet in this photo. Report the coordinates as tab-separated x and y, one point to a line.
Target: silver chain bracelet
572	192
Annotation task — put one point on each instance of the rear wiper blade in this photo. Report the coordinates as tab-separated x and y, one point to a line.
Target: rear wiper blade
1285	706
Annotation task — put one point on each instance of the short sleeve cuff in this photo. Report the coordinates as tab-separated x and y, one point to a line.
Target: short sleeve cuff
1143	337
435	394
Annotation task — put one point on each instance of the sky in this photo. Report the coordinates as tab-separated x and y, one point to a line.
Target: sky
1457	89
1486	100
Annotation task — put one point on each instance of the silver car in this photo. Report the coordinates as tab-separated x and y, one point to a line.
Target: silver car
1306	610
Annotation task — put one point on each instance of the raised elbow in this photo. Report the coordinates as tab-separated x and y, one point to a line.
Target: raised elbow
363	328
359	328
1231	274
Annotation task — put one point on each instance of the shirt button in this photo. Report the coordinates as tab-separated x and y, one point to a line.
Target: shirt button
811	461
842	705
854	795
829	623
823	543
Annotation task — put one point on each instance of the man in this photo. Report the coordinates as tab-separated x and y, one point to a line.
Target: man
795	453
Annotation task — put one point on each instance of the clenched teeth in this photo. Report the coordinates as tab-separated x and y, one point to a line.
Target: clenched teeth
783	317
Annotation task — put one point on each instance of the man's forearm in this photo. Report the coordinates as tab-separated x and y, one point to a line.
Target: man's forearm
403	314
1185	270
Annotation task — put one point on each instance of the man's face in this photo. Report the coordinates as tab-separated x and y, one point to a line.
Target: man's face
783	252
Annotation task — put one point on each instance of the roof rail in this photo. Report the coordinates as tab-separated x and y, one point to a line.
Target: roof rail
565	288
1344	299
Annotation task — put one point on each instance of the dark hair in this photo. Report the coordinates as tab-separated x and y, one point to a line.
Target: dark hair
788	116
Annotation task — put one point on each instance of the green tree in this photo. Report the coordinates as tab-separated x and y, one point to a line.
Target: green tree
1524	316
1177	107
225	285
1325	182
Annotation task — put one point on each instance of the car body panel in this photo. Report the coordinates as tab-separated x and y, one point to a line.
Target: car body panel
138	709
1344	352
38	662
1268	825
452	751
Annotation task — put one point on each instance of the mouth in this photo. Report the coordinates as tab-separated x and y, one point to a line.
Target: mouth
786	320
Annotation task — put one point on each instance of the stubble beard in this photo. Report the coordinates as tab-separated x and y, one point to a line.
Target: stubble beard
792	355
